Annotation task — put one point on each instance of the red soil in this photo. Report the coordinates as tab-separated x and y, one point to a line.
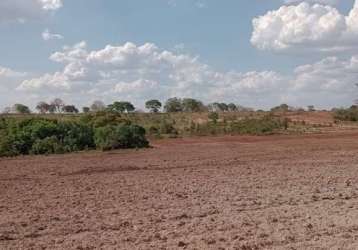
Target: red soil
276	192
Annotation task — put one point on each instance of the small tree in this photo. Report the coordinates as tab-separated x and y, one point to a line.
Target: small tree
121	107
98	106
282	108
232	107
213	107
21	109
52	109
43	107
129	107
58	104
173	105
153	105
311	108
86	110
69	109
223	107
192	105
218	107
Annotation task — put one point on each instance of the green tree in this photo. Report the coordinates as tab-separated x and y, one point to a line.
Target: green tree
57	104
153	105
173	105
282	108
43	107
86	110
192	105
311	108
121	107
232	107
218	107
98	106
21	109
223	107
52	109
69	109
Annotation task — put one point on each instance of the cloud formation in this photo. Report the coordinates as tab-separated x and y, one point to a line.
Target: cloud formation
325	2
47	36
23	10
9	80
305	27
138	73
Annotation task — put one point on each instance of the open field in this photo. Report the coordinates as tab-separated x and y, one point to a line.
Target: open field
242	192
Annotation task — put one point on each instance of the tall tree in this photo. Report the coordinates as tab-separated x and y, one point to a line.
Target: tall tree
218	107
98	106
232	107
121	107
192	105
43	107
311	108
58	104
69	109
86	110
21	109
153	105
173	105
52	109
223	107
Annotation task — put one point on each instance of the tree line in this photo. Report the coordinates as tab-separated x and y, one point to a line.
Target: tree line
172	105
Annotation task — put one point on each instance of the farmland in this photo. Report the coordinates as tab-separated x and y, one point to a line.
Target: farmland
282	191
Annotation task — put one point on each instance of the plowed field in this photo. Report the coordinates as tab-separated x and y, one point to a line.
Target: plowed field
274	192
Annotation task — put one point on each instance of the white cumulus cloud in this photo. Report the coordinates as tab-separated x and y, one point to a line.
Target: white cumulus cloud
9	80
47	35
305	27
23	10
138	73
326	2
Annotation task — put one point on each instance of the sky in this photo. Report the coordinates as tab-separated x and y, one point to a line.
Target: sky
256	53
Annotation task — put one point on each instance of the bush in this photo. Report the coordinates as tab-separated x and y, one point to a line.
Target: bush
7	148
103	118
42	136
350	114
49	145
120	137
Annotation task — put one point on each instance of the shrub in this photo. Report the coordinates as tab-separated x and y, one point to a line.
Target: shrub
75	136
102	118
350	114
49	145
42	136
120	136
7	147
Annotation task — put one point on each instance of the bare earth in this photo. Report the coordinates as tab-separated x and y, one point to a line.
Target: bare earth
276	192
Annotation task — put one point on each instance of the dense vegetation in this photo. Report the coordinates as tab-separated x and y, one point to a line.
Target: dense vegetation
60	128
51	136
350	114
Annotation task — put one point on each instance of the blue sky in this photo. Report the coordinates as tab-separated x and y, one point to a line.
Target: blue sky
286	62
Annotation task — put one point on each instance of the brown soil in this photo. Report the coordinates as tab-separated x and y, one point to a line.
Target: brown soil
276	192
